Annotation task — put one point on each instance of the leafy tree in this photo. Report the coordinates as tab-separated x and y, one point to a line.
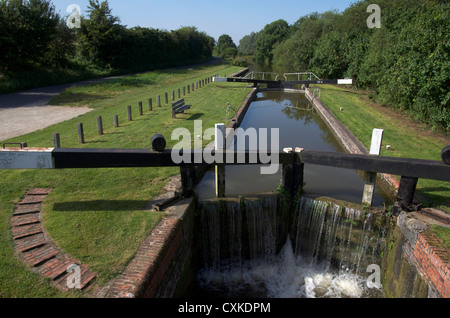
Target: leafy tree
101	35
298	49
328	59
63	46
247	45
226	46
272	34
27	30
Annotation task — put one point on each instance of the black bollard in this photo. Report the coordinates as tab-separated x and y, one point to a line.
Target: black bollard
158	143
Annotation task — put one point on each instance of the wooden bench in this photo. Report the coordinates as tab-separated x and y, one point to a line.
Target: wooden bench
179	107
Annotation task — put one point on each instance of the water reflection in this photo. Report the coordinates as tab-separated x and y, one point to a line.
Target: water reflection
299	126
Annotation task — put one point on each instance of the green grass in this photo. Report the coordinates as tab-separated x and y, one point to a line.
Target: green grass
407	138
443	234
96	215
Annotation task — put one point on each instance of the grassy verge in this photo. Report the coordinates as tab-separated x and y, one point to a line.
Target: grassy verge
96	215
407	138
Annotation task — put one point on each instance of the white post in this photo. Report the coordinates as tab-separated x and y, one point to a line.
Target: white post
377	139
220	145
371	177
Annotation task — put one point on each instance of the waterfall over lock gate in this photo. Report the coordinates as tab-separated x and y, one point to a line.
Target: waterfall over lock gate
249	251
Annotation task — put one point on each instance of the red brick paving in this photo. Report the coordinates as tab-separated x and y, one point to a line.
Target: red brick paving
36	249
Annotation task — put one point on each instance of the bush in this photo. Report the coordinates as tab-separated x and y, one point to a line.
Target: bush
239	61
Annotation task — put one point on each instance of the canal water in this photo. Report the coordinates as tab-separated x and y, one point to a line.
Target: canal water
299	126
326	249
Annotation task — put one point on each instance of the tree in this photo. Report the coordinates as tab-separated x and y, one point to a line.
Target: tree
226	46
272	34
193	45
27	30
247	45
101	35
298	49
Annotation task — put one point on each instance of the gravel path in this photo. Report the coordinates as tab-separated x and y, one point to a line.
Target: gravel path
27	111
16	122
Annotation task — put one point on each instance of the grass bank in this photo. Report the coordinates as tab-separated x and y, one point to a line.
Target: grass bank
74	71
406	137
97	215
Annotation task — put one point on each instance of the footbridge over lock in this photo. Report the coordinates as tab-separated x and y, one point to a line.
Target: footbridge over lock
285	81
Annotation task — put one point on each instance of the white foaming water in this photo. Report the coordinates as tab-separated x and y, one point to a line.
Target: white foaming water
287	276
333	247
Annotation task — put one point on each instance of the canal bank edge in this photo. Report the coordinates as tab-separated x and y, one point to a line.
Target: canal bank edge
418	246
350	143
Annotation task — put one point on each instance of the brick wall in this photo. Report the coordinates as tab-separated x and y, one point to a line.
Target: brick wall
429	260
421	249
158	265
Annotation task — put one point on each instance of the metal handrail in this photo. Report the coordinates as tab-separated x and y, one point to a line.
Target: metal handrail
316	89
252	74
229	106
310	75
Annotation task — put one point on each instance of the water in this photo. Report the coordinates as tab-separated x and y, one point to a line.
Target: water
254	248
288	276
327	257
300	126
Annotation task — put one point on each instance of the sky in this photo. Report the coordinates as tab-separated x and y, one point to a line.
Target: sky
236	18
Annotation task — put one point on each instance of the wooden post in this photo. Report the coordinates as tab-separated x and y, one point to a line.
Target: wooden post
158	101
141	111
188	176
371	177
116	121
99	125
193	88
189	89
80	133
130	114
57	140
150	104
184	90
287	172
299	172
166	98
220	144
406	191
179	94
173	95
